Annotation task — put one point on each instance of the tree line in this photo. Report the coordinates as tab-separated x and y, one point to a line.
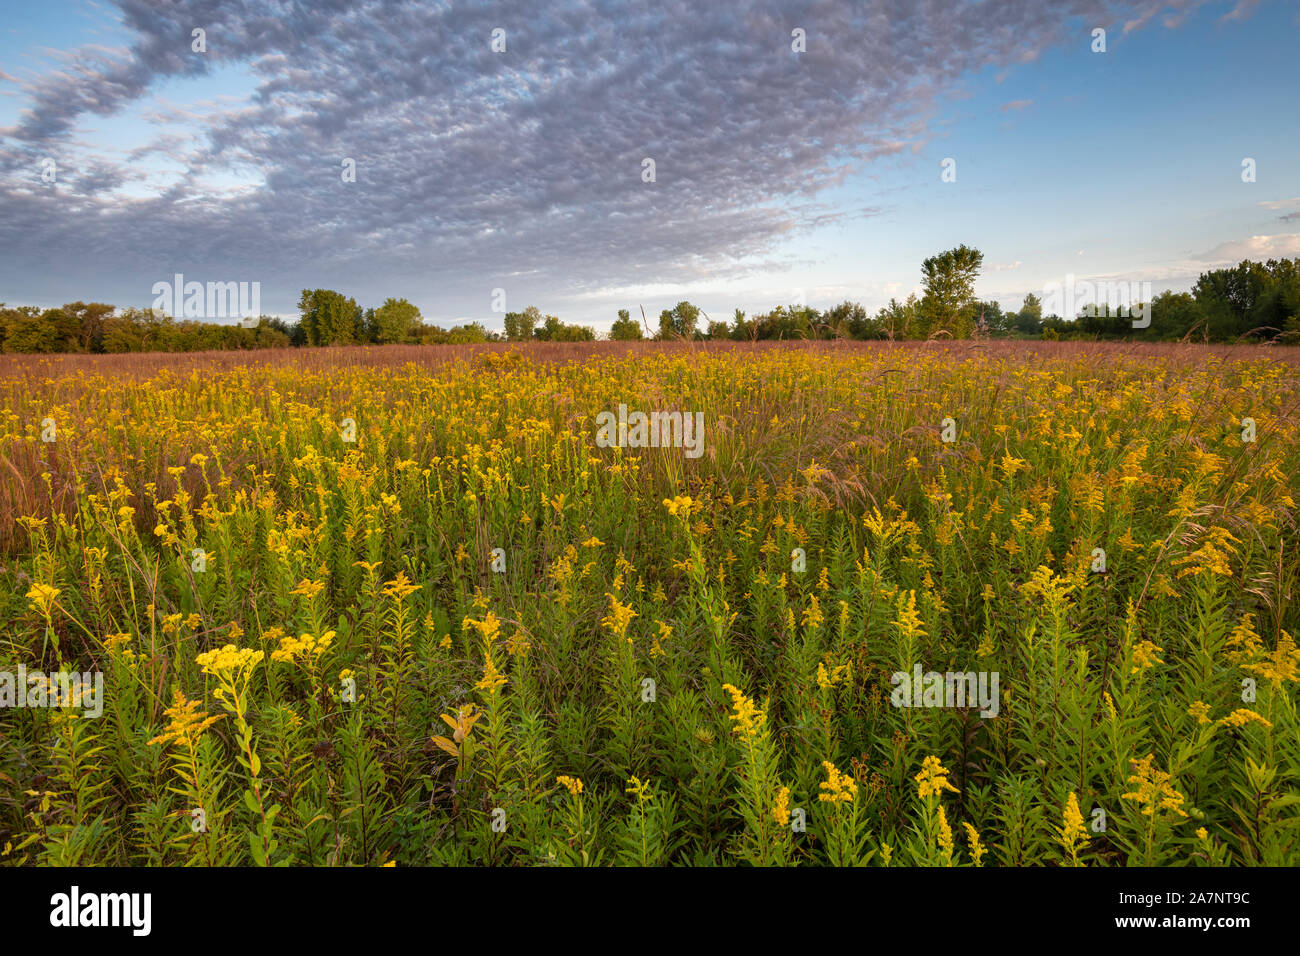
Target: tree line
1252	299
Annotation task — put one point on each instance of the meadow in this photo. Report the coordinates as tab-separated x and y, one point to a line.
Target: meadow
397	606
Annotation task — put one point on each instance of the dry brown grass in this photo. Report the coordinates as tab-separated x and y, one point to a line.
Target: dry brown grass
145	364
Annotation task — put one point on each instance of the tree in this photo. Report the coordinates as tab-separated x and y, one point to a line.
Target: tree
1030	317
624	328
31	331
989	318
395	321
899	320
848	320
679	322
85	321
949	283
742	329
330	318
470	334
521	326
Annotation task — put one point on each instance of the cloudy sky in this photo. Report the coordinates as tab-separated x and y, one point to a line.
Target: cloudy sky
780	174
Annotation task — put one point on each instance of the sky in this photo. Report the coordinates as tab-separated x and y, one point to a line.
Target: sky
798	149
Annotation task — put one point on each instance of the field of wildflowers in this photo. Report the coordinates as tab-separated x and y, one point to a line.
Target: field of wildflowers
385	607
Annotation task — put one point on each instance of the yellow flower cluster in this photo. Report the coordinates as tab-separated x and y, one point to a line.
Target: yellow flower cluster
229	660
933	778
572	784
303	647
187	723
749	719
619	617
839	787
781	810
1154	789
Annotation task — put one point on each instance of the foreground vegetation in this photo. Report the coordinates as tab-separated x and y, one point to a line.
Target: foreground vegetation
361	613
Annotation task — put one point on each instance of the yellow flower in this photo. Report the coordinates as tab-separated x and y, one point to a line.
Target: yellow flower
909	621
489	628
977	849
1283	664
1153	789
749	719
572	784
679	506
812	615
42	597
781	811
187	723
827	680
933	778
1200	710
619	617
839	787
1241	717
302	647
308	588
493	679
945	835
400	587
1145	655
229	660
1072	832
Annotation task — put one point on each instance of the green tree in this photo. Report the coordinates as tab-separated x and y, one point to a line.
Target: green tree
1029	320
949	283
395	321
521	326
679	322
624	328
330	318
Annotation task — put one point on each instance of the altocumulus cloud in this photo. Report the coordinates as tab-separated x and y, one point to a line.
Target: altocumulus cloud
474	167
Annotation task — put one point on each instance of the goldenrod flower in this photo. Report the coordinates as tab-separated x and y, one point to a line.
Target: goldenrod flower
187	723
492	678
1145	655
749	719
781	811
839	787
1072	832
400	587
1154	789
572	784
945	836
42	597
308	588
619	617
1241	717
933	778
229	660
909	622
977	849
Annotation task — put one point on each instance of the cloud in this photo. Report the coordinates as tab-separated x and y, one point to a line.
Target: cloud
474	166
1260	248
1016	105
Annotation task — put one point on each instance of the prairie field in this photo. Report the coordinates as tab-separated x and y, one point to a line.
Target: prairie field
379	606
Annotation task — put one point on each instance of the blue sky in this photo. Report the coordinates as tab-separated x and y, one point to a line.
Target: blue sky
780	177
